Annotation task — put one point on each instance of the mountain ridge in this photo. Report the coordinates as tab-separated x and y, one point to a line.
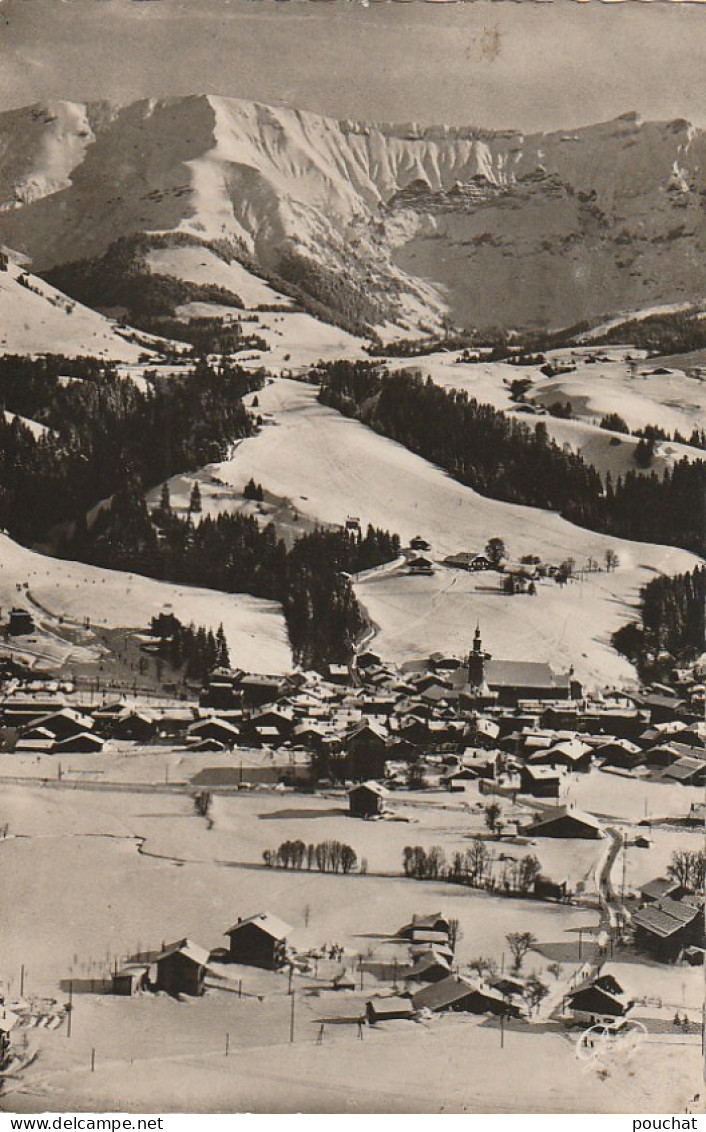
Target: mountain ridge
507	229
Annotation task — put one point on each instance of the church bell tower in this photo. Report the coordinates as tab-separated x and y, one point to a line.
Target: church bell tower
476	661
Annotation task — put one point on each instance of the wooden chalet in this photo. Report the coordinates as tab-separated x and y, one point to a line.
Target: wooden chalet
83	742
661	888
181	968
458	993
419	543
601	999
259	941
621	754
65	723
134	725
468	560
367	799
221	730
540	781
420	566
572	755
425	922
687	771
130	979
20	623
365	745
664	927
430	967
387	1009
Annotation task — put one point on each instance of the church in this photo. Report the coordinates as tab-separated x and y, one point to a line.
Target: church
484	681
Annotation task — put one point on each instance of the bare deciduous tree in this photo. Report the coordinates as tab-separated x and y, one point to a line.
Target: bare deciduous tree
520	943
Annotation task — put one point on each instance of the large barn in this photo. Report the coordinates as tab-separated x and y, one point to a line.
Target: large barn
560	821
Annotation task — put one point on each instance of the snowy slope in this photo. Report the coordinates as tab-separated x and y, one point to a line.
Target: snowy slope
201	265
255	629
675	401
38	430
331	467
41	320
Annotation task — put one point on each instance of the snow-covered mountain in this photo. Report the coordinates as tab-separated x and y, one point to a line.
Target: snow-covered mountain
378	222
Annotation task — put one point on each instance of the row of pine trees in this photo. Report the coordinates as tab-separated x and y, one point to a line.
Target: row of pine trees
105	434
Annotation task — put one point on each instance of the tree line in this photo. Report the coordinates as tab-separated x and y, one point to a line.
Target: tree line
122	278
675	332
672	624
475	867
104	433
508	460
108	440
195	650
326	856
230	552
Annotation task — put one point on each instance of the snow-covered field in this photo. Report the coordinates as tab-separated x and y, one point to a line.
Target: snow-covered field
151	871
416	616
201	265
297	340
43	320
673	401
255	629
331	467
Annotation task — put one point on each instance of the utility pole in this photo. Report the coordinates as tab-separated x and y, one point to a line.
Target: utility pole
502	1030
227	1043
22	981
291	1020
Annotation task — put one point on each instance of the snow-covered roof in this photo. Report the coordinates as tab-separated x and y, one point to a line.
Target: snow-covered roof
371	785
266	922
188	949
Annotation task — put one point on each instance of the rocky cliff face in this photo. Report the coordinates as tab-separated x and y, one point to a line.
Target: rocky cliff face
497	228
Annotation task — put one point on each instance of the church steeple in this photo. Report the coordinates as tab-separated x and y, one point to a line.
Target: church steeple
476	661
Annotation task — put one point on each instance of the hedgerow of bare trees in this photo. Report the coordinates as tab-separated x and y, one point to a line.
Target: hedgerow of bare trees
326	856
